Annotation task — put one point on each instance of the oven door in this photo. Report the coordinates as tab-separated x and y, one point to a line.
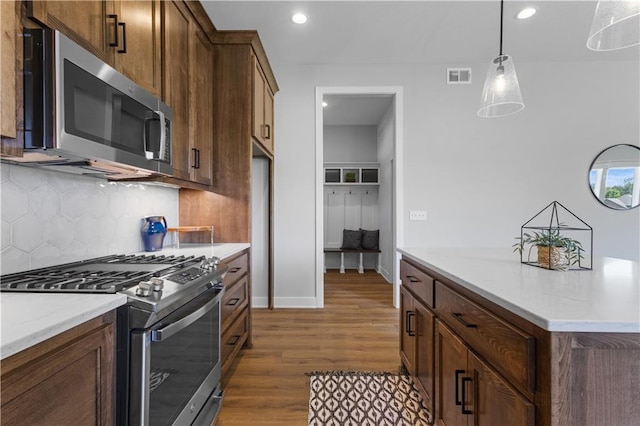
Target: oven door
175	366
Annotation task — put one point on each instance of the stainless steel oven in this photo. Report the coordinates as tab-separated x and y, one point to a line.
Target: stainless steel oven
175	366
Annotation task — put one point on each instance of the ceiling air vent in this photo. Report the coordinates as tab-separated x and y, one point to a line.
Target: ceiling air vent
458	75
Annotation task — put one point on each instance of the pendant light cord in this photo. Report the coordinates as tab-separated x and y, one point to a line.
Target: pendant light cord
501	16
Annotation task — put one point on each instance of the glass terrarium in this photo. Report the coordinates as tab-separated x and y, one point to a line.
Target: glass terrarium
556	239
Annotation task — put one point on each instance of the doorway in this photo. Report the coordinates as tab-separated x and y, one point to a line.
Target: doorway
390	171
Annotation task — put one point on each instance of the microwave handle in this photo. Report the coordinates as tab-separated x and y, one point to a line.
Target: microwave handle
184	322
163	136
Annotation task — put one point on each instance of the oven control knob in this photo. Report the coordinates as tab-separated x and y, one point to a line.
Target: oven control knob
157	284
143	289
214	262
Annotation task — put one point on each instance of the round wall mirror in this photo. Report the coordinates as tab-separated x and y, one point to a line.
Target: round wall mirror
614	177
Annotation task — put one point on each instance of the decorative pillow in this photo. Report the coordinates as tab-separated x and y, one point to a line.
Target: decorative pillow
351	239
370	239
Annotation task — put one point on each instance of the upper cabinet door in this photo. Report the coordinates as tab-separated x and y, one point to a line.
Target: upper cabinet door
259	85
202	107
138	54
91	24
268	120
175	34
262	109
8	47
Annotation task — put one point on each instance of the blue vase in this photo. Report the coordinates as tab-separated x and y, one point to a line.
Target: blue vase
154	228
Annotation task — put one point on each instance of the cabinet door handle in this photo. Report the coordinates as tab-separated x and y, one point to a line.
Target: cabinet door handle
458	316
196	158
234	270
266	131
457	390
464	394
114	43
124	37
233	302
413	279
235	340
410	315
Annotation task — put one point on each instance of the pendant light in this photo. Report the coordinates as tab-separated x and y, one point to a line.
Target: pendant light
501	94
616	25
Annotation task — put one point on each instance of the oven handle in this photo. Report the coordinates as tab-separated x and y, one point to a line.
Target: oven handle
184	322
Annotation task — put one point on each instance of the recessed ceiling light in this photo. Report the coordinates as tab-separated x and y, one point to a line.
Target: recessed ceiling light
526	13
299	18
324	104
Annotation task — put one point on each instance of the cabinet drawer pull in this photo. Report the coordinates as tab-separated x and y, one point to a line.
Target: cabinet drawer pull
235	340
124	37
413	279
410	315
458	316
114	43
457	389
234	270
464	395
233	302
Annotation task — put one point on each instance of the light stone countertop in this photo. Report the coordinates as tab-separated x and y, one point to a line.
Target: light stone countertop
30	318
604	299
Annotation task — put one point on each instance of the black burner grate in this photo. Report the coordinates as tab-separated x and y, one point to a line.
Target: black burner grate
101	275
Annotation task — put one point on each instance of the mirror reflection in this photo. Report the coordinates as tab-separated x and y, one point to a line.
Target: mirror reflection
614	177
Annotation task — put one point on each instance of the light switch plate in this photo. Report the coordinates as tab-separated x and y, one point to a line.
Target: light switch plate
417	215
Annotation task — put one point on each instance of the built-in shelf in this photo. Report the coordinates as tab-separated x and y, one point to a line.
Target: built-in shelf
352	174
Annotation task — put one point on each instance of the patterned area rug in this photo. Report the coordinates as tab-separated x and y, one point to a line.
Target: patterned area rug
352	398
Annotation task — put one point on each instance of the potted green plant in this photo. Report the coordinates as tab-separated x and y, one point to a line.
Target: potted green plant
555	251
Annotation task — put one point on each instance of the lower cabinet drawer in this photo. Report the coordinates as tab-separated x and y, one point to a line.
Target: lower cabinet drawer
510	350
238	266
417	281
235	299
233	338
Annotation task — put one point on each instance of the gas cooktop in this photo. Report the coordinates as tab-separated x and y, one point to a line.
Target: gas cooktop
109	274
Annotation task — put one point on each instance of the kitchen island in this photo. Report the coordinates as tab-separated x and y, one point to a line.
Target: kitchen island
490	340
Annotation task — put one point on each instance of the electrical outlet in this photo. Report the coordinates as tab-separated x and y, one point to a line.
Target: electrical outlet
417	215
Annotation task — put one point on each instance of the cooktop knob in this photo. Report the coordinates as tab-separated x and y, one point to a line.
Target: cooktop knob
157	284
214	261
143	289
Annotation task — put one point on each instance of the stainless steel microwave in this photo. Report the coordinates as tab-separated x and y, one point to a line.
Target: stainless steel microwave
81	113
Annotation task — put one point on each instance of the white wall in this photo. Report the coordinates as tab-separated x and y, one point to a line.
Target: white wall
50	218
478	179
385	132
350	144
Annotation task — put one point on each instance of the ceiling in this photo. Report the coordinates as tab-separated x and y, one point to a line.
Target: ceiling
411	32
453	33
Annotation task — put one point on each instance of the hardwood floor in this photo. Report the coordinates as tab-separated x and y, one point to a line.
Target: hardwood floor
356	330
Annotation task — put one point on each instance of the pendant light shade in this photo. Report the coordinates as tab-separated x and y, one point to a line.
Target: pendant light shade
616	25
501	94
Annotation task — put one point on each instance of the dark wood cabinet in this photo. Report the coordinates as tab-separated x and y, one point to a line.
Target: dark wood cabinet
262	111
11	122
470	392
175	36
188	90
124	34
138	54
67	379
417	323
235	320
494	367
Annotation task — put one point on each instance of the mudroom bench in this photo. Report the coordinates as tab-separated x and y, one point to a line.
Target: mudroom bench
358	251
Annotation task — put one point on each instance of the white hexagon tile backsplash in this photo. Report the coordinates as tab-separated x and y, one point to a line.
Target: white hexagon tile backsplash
50	218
